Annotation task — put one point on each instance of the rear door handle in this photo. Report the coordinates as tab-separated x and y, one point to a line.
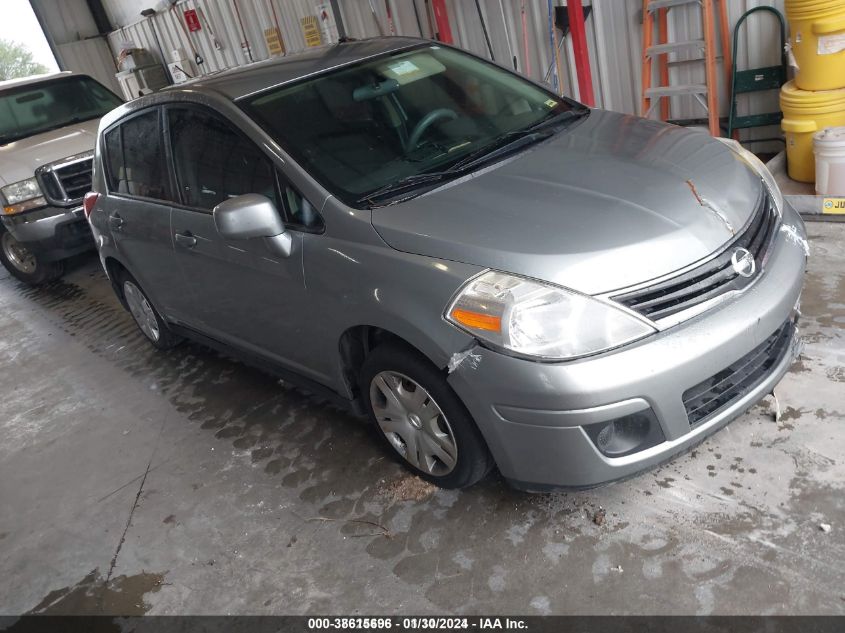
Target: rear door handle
116	222
186	239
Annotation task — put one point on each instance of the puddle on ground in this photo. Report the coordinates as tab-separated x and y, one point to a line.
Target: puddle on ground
122	595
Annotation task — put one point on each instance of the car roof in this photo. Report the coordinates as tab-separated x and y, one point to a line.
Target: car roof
240	82
32	79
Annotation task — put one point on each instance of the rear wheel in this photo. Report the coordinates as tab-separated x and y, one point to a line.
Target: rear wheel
145	315
24	264
422	420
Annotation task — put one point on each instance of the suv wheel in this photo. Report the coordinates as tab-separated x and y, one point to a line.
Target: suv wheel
24	264
145	315
422	419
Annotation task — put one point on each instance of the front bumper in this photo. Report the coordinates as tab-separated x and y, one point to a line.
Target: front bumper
533	415
51	233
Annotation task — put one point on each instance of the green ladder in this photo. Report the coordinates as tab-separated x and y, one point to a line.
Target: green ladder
756	80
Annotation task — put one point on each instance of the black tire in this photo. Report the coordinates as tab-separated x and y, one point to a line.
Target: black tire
159	334
473	460
26	266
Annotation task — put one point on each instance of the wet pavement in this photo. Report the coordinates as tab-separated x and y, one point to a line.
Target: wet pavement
135	481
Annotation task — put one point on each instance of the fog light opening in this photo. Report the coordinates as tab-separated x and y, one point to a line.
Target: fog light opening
626	435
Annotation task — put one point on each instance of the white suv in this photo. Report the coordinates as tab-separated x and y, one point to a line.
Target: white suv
48	126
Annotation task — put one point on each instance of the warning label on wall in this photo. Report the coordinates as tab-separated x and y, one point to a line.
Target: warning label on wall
311	30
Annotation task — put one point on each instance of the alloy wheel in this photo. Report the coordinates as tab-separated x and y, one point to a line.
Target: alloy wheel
141	311
413	423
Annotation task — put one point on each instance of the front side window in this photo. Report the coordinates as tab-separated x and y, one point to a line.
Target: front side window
213	162
52	104
361	127
135	160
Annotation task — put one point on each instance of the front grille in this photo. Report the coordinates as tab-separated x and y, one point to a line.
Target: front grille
75	179
712	278
66	182
717	392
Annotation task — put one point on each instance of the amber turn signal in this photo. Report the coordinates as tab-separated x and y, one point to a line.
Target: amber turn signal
477	320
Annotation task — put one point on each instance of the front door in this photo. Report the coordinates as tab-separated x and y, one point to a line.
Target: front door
238	291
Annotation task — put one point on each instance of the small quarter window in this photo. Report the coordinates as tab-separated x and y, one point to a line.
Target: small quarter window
114	158
301	212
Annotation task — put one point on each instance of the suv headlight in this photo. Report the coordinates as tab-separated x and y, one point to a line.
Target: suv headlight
538	320
760	168
22	196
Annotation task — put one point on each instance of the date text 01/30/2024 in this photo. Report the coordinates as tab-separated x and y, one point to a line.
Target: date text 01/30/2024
416	623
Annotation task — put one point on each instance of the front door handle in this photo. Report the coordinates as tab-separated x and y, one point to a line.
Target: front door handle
186	239
116	222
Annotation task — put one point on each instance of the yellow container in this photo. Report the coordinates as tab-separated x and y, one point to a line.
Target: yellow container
818	42
805	113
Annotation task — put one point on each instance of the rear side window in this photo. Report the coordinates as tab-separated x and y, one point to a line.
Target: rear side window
213	162
135	159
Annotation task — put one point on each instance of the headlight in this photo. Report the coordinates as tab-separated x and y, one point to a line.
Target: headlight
760	168
535	319
22	196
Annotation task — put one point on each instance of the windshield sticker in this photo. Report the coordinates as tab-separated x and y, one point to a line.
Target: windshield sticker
404	67
551	103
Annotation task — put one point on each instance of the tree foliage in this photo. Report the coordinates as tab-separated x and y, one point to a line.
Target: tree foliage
16	61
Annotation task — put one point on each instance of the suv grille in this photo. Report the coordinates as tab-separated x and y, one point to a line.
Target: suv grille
712	278
66	182
733	382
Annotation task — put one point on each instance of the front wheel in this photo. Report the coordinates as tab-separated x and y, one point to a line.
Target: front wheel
24	264
422	420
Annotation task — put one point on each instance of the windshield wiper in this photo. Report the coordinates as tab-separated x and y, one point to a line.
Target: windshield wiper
503	145
409	183
557	119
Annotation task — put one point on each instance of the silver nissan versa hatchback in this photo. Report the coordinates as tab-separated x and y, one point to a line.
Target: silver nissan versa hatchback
496	275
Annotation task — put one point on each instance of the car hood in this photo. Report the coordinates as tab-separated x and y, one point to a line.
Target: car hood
610	202
20	159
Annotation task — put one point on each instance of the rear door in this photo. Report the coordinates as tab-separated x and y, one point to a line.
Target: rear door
138	206
239	292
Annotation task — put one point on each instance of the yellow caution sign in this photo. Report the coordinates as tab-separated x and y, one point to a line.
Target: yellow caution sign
311	31
275	43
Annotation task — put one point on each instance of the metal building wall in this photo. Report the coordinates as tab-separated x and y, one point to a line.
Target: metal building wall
614	33
73	35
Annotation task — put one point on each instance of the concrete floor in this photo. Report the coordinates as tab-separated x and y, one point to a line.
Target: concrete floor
134	481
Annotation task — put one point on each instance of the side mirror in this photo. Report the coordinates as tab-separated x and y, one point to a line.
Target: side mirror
252	215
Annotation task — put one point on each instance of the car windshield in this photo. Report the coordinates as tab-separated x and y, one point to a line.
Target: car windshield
362	128
34	108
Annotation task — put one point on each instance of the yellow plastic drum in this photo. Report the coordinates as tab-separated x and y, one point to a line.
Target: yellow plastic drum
804	114
818	42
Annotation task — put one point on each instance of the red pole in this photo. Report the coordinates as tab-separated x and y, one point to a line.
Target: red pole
442	19
582	54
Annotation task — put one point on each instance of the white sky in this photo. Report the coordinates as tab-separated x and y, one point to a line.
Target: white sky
18	23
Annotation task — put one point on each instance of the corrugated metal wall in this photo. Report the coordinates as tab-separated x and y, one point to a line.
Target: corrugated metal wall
73	34
614	33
